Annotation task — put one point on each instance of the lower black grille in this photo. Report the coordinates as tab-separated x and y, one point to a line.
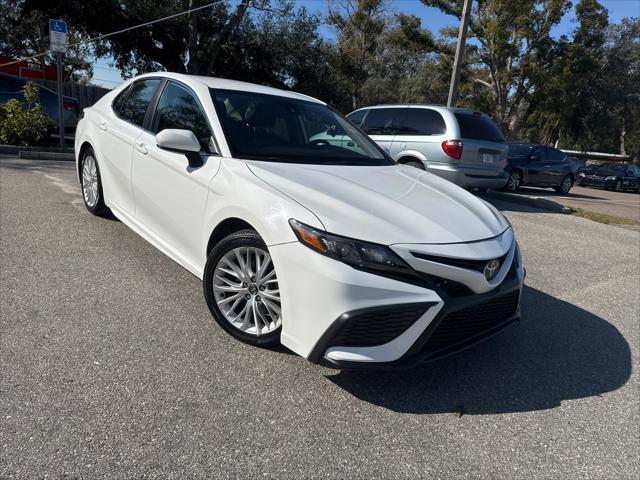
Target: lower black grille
469	322
377	326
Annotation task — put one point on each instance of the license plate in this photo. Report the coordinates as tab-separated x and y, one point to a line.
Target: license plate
489	158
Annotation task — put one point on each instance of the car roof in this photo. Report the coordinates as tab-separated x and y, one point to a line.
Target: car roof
226	84
432	106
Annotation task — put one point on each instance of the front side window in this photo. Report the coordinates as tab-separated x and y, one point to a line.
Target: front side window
381	121
178	108
421	121
555	155
135	106
281	129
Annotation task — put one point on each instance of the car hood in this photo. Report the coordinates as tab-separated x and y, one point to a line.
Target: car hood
387	204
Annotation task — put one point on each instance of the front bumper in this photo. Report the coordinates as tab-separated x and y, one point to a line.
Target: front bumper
594	181
322	299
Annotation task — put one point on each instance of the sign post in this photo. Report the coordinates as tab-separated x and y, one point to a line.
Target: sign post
58	42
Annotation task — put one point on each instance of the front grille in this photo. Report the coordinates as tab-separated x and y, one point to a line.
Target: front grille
379	325
477	265
472	321
451	288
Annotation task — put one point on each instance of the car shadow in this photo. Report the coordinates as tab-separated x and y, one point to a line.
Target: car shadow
542	192
556	352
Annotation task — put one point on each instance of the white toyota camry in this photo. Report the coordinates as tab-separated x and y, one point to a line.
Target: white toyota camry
327	247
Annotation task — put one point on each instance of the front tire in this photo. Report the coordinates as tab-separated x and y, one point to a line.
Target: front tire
92	184
241	289
618	185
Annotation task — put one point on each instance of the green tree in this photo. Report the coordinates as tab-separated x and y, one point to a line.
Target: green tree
23	123
510	57
24	31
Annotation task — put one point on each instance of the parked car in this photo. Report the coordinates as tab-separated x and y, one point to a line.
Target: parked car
11	87
459	145
612	176
339	253
539	166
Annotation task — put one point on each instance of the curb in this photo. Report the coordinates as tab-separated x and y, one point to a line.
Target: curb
535	202
31	155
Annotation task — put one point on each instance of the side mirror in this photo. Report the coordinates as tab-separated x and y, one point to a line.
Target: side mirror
181	141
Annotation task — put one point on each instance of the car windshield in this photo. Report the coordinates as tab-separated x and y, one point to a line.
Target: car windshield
282	129
519	150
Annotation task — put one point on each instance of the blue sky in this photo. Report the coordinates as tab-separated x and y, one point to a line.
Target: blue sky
433	19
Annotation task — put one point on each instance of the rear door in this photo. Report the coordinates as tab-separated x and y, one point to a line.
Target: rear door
120	127
484	150
380	125
422	130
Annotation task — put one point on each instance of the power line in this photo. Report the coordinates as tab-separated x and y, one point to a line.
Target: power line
107	35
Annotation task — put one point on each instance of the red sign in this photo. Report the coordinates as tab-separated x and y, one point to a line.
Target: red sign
28	69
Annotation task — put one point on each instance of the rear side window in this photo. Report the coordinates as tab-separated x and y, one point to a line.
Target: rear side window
117	103
178	108
357	117
380	121
477	127
421	121
135	106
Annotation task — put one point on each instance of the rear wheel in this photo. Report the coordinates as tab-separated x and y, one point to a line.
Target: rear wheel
241	289
92	184
565	185
514	181
415	163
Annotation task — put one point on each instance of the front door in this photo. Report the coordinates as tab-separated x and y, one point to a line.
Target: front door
170	196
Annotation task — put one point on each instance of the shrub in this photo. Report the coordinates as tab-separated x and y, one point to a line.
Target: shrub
23	122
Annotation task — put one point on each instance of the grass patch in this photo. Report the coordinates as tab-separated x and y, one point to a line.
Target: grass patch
603	217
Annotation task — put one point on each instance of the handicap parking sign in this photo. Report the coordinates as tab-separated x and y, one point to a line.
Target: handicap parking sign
58	35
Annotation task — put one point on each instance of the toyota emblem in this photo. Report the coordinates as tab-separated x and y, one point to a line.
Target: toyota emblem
491	268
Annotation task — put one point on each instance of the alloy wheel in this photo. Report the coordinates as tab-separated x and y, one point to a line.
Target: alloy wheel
245	288
90	181
514	181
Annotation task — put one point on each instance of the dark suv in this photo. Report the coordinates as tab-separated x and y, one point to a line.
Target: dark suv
539	166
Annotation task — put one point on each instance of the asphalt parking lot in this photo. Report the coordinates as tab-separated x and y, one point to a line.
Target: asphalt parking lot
111	366
624	204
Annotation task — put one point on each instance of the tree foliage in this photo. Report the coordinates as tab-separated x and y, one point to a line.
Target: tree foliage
23	123
580	90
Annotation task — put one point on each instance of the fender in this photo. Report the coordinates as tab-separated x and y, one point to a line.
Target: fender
410	153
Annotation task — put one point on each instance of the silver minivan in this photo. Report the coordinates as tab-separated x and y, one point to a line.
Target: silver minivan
463	146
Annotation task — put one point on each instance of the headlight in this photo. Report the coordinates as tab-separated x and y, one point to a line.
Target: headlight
356	253
581	174
610	178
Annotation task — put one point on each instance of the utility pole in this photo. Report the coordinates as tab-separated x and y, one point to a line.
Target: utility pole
462	40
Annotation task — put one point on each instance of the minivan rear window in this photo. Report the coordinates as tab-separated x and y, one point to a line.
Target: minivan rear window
478	128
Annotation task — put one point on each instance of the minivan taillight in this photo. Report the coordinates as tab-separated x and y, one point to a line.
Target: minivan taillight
453	148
